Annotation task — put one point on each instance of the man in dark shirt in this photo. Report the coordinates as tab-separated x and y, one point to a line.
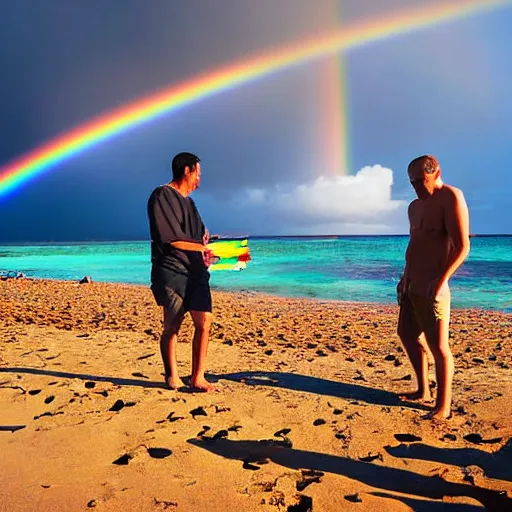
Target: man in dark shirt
179	268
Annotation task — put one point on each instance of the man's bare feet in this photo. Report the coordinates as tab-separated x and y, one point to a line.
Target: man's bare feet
174	382
416	395
438	414
201	384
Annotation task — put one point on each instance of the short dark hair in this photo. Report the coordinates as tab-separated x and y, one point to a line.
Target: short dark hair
180	161
429	163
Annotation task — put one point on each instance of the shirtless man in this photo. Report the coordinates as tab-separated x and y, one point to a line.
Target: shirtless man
438	245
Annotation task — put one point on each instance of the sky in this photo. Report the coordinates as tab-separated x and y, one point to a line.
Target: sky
321	147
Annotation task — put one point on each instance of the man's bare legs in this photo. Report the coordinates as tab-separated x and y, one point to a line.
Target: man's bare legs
414	344
202	324
168	342
438	342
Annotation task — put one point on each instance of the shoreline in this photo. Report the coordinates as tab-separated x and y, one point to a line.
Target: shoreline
263	295
306	412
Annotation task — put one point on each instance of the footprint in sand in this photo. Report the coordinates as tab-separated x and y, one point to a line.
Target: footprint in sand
165	504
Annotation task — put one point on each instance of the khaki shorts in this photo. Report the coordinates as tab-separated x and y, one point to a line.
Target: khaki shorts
427	311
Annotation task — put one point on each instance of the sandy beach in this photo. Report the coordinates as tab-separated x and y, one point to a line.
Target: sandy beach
306	416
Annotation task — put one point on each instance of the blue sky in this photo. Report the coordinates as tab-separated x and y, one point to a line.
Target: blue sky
443	90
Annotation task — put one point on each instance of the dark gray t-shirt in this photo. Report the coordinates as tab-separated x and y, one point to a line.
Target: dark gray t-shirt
172	218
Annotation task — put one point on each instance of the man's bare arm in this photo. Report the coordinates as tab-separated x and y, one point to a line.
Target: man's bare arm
457	226
188	246
405	276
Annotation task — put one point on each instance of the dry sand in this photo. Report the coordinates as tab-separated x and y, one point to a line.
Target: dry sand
306	416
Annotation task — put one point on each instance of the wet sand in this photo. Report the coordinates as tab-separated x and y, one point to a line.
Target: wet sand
306	416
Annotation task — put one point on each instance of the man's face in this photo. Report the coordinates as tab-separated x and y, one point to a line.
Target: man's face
194	177
422	182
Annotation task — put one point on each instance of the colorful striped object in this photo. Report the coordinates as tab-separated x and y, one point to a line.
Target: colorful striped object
232	254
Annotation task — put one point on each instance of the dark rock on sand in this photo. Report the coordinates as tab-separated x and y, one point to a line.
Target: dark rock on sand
118	405
407	438
371	458
283	432
123	460
198	411
305	504
159	453
477	439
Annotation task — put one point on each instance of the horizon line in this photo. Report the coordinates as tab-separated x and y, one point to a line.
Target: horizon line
229	237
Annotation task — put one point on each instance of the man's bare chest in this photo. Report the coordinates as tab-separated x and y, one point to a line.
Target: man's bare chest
427	220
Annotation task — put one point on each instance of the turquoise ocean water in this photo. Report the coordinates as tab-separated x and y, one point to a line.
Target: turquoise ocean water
364	268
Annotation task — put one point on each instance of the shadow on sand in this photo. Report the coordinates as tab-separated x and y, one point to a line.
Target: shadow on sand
380	477
495	465
273	379
428	505
319	386
84	376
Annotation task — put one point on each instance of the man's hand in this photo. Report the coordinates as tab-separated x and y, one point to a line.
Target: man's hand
435	287
400	289
206	236
209	258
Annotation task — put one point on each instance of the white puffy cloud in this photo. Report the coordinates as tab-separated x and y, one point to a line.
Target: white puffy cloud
353	204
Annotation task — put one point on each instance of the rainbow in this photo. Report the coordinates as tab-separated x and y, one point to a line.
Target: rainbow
103	128
333	114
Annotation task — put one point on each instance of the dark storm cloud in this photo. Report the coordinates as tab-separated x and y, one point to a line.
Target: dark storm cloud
65	62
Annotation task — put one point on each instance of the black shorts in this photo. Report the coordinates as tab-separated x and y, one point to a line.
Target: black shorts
179	296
